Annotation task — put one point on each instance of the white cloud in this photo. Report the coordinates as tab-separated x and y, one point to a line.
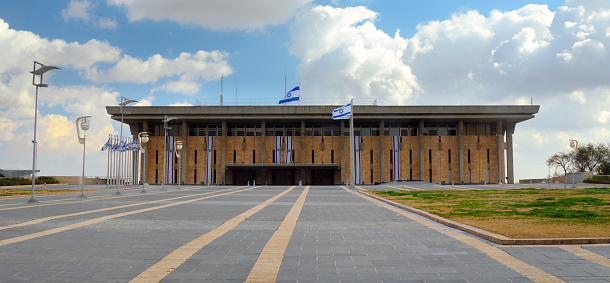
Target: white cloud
214	14
344	54
58	148
107	23
603	116
181	104
77	10
188	68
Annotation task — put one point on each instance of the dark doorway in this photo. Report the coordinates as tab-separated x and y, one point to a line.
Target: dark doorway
241	177
283	177
322	177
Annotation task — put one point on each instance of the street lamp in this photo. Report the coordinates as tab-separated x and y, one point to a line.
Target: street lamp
37	72
82	123
123	104
165	127
178	147
574	145
143	137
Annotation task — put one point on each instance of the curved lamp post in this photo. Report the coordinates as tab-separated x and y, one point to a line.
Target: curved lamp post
143	137
574	145
178	147
82	123
123	104
37	72
165	127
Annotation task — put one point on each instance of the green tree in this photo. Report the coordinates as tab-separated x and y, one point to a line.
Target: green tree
590	156
604	168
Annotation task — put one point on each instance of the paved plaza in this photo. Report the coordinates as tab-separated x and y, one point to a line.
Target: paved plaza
264	234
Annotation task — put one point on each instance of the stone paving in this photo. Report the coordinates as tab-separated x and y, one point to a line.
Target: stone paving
339	236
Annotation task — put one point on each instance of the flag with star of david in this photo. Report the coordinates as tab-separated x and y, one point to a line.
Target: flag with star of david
357	167
208	167
396	157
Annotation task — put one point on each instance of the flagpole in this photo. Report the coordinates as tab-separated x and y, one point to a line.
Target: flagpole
352	175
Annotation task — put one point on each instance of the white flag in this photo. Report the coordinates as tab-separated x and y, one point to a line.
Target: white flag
291	97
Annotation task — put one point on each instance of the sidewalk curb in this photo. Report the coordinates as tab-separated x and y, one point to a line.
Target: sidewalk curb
496	238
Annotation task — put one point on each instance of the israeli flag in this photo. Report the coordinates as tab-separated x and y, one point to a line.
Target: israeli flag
107	145
396	157
208	166
291	97
289	150
357	167
169	158
343	112
278	150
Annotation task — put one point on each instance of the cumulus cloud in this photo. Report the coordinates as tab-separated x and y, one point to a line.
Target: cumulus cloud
214	14
187	69
95	60
77	10
344	54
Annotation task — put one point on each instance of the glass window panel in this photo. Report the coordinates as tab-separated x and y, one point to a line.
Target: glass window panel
240	130
288	130
432	130
309	131
317	130
386	131
327	130
394	130
212	131
404	131
336	129
297	130
442	130
250	130
374	131
270	130
452	131
259	131
413	132
192	131
231	131
366	130
201	131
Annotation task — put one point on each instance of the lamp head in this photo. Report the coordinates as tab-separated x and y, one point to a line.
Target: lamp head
144	139
124	103
179	146
167	119
44	69
573	143
84	125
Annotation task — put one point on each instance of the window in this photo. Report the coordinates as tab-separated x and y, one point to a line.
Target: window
309	131
442	130
449	155
394	130
411	156
374	131
432	131
488	156
469	156
414	132
317	130
195	174
240	132
192	131
366	130
336	130
250	130
231	131
195	157
371	157
404	131
288	130
214	156
234	156
259	131
430	156
327	130
312	157
212	131
452	131
157	157
332	156
253	156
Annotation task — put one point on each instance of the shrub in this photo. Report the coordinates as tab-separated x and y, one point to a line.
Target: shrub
20	181
598	179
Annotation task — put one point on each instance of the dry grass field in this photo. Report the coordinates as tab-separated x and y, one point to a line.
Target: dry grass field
518	213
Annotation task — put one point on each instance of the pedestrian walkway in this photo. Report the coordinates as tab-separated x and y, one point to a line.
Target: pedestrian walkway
262	234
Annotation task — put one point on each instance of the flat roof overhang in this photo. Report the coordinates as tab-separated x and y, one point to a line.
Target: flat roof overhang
322	114
329	166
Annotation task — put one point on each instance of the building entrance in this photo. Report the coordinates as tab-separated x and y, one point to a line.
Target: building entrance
322	177
283	177
242	177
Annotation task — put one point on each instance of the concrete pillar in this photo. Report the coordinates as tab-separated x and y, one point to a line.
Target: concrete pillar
422	173
145	155
223	154
500	135
342	153
510	130
460	129
184	153
303	149
381	151
263	150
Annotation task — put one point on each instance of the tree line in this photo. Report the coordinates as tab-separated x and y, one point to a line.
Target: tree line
593	157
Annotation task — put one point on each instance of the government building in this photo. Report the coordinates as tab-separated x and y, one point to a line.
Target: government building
282	145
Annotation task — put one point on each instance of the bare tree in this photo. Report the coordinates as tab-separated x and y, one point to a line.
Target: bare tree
560	160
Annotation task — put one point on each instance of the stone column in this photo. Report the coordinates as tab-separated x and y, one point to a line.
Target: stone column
460	129
223	154
303	149
381	150
510	130
342	152
500	135
422	173
184	153
263	150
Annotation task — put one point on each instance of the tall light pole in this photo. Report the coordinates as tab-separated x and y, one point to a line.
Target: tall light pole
143	137
178	147
123	104
165	127
82	123
37	72
574	145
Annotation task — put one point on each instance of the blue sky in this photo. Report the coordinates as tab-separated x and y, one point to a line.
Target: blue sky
173	52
